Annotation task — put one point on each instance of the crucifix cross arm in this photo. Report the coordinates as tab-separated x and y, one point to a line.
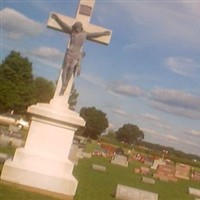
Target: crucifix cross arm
68	29
97	34
63	25
94	33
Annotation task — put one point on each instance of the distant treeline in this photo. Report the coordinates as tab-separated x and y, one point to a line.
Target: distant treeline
170	153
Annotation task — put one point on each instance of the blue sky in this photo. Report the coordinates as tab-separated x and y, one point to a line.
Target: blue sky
149	74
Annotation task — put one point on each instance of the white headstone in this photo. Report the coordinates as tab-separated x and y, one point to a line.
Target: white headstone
99	167
194	191
128	193
148	180
121	160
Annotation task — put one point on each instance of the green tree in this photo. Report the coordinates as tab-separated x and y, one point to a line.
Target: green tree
130	134
96	122
110	137
16	83
43	90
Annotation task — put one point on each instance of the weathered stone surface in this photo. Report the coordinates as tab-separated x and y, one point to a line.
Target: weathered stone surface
148	180
194	191
120	160
98	167
128	193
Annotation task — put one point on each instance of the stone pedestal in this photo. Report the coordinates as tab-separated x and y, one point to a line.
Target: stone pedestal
43	162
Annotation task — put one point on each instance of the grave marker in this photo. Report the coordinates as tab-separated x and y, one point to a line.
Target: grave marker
98	167
195	192
129	193
165	173
148	180
120	160
182	171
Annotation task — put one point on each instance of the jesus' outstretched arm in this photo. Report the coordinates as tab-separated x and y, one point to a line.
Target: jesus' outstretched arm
64	26
97	34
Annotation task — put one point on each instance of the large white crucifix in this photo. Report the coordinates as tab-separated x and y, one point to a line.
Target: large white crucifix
83	15
43	163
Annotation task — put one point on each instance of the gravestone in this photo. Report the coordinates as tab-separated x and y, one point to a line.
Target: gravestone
43	163
129	193
144	170
148	180
121	160
98	167
9	140
79	153
195	175
182	171
86	155
194	191
148	161
165	173
158	162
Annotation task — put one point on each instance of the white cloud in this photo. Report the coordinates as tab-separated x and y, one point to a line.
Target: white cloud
16	26
40	61
173	21
192	114
150	117
176	98
172	138
156	134
125	89
182	66
94	80
151	133
46	56
192	132
120	112
47	53
155	121
177	102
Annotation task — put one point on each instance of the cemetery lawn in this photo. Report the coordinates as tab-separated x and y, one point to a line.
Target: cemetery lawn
97	185
11	192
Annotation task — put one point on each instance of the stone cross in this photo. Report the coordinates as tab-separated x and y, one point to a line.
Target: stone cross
83	15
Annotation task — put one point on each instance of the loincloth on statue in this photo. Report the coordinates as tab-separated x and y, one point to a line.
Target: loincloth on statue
72	58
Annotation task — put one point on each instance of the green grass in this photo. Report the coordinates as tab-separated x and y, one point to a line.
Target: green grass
95	185
10	192
91	146
8	150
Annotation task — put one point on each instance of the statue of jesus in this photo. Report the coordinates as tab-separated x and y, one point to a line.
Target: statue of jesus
73	55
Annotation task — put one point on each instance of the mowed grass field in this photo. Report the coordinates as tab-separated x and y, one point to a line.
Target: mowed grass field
96	185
